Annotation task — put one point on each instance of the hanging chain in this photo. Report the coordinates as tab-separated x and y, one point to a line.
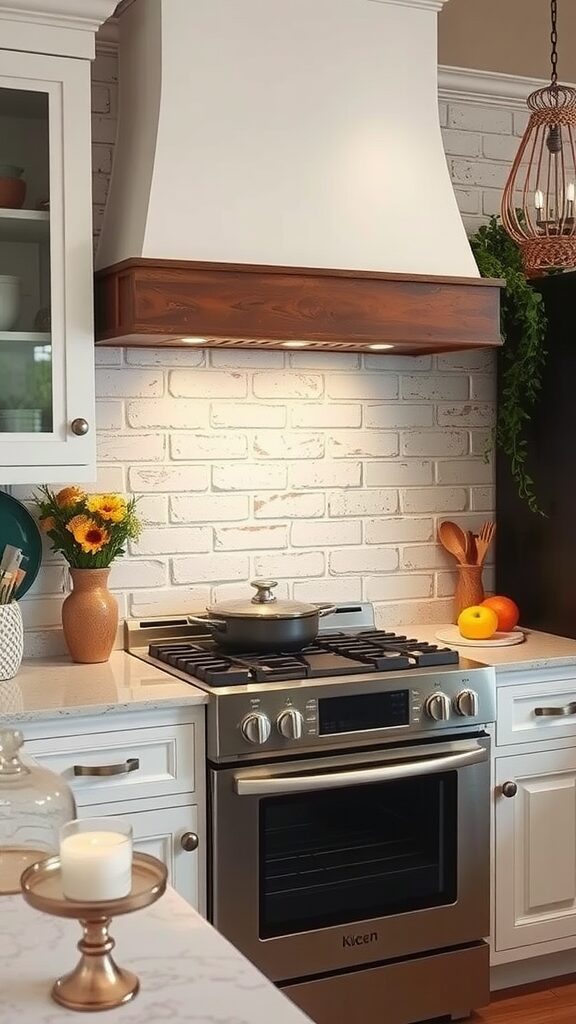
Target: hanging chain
554	41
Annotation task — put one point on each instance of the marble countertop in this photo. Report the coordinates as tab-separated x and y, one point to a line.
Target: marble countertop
187	970
53	687
539	651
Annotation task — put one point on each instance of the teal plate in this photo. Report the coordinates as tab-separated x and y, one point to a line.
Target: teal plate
19	528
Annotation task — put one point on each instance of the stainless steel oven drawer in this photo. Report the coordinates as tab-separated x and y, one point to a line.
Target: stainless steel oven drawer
444	984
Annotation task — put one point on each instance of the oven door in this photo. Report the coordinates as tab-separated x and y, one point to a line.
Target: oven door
323	864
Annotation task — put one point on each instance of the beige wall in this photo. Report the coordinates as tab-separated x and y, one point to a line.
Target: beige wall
507	35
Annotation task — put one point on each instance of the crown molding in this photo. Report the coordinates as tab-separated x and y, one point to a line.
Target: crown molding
426	5
84	15
490	88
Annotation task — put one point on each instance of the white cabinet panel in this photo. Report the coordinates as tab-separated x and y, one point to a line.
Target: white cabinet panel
517	721
536	849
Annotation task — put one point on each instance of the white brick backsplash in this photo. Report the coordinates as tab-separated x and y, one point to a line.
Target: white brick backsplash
329	415
465	414
292	565
333	589
167	413
165	357
208	508
363	502
109	415
325	533
361	444
520	121
288	385
277	445
435	442
481	441
210	568
364	560
312	465
173	540
435	387
323	473
249	477
459	143
291	505
207	384
358	386
470	117
398	529
398	473
208	446
244	358
128	383
131	447
234	591
52	579
464	471
434	499
247	415
398	587
136	572
399	415
250	538
169	478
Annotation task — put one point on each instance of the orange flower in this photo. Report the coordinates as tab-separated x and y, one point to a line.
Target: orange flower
47	524
69	496
108	506
88	534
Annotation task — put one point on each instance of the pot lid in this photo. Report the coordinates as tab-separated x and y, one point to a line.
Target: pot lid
264	605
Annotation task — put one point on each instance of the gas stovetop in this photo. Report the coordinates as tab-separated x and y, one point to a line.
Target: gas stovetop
355	684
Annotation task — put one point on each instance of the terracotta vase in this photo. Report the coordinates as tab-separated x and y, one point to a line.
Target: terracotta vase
469	588
90	616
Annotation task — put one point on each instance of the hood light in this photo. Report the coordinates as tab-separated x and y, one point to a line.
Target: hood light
379	348
294	344
193	341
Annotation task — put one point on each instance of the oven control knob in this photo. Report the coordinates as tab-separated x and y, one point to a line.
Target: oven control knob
437	706
289	724
466	703
255	728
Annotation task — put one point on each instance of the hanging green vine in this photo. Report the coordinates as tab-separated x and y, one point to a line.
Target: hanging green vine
523	326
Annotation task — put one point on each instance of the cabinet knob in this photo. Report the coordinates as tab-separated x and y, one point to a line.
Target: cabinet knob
189	841
509	789
80	427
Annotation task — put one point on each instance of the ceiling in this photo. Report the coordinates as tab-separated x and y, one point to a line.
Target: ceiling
508	35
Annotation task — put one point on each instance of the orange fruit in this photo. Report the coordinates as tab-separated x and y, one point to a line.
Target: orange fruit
506	609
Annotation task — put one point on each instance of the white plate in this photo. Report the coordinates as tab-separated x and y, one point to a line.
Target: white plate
452	635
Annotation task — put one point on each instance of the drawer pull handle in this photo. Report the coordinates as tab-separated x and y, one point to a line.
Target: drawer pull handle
568	709
99	770
189	842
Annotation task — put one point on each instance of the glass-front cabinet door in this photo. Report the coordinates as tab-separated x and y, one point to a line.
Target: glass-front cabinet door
46	331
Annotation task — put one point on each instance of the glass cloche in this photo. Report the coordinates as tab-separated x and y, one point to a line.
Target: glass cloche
34	803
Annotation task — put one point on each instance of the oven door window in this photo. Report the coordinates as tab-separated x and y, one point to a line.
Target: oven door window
351	854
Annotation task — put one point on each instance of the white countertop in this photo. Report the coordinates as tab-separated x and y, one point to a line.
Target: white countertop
188	972
56	687
539	651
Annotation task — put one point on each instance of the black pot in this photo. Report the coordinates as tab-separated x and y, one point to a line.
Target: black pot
264	623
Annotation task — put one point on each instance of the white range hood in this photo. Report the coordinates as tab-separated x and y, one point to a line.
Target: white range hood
284	132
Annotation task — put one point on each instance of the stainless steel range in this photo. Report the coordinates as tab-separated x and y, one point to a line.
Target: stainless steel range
348	814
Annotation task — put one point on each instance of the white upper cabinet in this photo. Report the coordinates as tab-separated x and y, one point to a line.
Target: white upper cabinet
47	406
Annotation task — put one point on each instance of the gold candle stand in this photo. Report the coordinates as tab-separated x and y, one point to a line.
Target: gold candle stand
96	983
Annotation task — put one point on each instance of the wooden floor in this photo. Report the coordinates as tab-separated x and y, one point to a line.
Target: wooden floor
552	1002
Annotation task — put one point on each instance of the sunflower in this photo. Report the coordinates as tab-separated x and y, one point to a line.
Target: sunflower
47	523
108	506
69	496
88	534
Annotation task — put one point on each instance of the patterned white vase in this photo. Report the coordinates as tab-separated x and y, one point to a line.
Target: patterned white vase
11	640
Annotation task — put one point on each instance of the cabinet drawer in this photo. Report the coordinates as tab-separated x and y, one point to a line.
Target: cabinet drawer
517	721
145	763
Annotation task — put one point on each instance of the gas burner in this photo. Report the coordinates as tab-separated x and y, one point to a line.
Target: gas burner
332	654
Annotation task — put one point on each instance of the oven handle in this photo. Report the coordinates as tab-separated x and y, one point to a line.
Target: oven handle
275	785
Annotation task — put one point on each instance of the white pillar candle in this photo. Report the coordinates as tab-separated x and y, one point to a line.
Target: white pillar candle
96	865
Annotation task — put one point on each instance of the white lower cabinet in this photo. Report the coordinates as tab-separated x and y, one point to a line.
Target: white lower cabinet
166	834
535	849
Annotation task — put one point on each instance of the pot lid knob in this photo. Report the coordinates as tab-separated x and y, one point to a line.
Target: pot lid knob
263	593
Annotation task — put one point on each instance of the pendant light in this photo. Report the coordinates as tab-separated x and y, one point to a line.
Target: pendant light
538	201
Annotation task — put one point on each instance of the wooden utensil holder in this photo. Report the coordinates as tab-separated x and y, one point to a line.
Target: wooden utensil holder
469	589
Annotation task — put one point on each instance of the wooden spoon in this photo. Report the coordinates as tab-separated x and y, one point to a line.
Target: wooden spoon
454	540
